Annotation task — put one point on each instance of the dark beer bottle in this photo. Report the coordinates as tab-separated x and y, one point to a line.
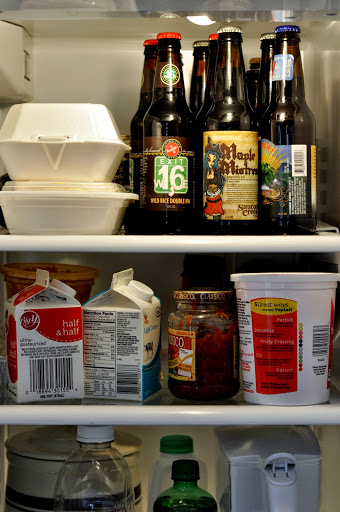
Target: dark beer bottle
230	146
264	89
252	78
198	75
209	89
167	197
132	216
288	151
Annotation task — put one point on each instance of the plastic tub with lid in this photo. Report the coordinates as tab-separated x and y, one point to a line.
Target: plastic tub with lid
35	458
61	141
43	208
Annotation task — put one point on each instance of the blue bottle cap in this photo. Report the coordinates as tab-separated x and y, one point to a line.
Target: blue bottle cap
287	28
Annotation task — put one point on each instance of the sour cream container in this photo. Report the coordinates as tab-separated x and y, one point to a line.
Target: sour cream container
286	323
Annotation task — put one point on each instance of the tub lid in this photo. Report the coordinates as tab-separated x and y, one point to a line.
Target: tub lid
53	186
57	442
252	444
285	277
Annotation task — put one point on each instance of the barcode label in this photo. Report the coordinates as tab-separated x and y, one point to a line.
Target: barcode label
51	374
128	379
299	160
320	340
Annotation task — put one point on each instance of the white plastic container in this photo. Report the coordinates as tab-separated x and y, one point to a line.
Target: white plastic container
36	456
61	141
286	333
42	208
172	448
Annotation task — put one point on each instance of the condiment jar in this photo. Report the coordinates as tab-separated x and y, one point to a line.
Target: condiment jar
203	345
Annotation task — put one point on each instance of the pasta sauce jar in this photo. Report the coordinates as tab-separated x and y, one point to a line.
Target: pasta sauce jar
203	345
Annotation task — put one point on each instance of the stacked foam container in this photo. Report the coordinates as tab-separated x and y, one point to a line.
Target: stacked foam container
61	159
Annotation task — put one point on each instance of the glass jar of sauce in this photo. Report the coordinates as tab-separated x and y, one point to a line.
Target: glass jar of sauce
203	345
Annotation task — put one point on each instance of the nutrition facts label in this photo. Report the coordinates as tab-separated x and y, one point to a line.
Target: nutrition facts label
112	362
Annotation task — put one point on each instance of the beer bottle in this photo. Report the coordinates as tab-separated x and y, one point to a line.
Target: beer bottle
209	89
132	216
264	88
199	75
167	197
230	146
288	151
252	77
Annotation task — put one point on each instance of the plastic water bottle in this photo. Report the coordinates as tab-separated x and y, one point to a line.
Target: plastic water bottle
185	495
95	476
172	448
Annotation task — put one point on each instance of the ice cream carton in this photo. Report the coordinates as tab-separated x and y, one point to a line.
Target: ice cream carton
122	341
44	339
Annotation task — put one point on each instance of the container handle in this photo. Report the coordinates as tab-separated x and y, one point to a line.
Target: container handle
281	483
53	138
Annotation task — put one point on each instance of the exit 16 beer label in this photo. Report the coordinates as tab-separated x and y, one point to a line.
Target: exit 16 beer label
168	168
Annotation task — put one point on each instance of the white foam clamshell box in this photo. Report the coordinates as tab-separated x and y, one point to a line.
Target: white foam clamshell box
44	338
61	141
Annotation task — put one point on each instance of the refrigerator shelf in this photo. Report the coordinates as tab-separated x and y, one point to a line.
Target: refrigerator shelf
178	412
321	243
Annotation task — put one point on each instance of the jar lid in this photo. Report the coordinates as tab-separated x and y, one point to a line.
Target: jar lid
229	28
287	28
199	44
169	35
203	295
150	42
267	35
176	444
213	37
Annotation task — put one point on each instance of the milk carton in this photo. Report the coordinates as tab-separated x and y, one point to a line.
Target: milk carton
44	342
122	341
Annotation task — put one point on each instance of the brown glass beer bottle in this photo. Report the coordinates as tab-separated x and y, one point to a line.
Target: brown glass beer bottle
230	146
264	89
288	151
166	188
252	78
132	216
198	75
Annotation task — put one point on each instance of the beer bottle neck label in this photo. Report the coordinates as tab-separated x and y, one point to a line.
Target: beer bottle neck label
283	67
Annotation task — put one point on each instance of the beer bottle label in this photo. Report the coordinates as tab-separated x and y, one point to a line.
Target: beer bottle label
168	168
283	67
288	183
230	175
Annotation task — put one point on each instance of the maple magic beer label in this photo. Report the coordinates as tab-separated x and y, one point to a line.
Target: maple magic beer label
230	160
167	174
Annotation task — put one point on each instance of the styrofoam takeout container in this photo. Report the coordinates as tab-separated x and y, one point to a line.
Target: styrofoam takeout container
43	208
286	323
61	141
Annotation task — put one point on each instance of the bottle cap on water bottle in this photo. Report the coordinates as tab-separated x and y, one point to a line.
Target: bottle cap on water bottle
185	470
95	433
176	444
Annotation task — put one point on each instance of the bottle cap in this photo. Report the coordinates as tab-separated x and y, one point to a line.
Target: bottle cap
185	470
287	28
267	35
150	42
255	60
229	28
213	37
176	444
95	433
55	283
140	290
198	44
169	35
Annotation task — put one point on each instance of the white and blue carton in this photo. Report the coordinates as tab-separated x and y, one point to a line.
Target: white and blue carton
122	341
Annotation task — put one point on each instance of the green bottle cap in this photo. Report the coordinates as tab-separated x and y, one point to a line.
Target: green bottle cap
176	444
185	470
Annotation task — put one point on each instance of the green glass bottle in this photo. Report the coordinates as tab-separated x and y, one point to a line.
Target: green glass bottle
185	495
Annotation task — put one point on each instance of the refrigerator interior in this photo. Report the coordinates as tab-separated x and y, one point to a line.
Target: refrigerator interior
98	59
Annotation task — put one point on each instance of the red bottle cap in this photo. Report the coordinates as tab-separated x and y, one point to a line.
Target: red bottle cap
213	37
169	35
150	42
